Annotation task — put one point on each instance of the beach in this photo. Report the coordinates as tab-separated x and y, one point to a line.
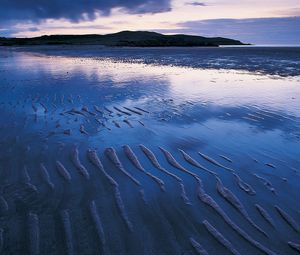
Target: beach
149	150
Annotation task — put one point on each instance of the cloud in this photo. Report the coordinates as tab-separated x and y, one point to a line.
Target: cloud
288	12
255	30
196	4
33	29
74	10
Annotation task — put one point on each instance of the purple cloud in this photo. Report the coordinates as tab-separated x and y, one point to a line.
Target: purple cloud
255	30
35	10
196	4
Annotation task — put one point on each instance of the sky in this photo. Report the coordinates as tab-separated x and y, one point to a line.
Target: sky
251	21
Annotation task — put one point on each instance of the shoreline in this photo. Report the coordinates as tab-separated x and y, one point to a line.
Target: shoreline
275	61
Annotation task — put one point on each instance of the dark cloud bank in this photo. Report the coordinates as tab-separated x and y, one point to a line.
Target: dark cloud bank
35	10
257	30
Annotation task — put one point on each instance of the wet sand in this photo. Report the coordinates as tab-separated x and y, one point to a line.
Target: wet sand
103	156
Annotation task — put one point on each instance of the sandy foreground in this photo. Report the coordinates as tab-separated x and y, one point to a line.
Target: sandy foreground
106	156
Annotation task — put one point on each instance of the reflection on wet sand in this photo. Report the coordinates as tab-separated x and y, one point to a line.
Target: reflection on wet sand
108	157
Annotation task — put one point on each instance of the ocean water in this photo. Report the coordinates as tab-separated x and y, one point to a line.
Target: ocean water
282	61
149	151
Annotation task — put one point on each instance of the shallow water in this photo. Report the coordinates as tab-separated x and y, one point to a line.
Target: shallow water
282	61
245	124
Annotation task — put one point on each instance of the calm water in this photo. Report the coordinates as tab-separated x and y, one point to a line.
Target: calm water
282	61
213	119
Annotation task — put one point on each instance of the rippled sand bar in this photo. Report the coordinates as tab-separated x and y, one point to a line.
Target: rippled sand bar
101	153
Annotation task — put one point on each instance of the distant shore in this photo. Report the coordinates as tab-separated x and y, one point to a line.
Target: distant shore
124	38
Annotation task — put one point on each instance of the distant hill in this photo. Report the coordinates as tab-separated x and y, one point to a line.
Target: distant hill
124	38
